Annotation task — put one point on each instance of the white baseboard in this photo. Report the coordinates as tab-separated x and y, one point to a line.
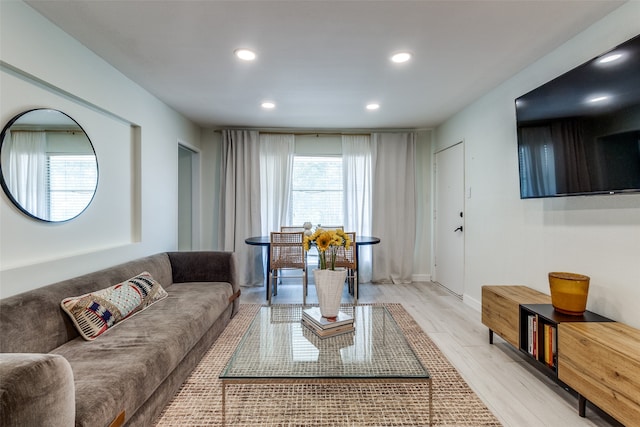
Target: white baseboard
421	278
472	302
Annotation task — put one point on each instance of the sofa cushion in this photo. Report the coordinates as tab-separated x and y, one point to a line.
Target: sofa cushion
135	358
94	313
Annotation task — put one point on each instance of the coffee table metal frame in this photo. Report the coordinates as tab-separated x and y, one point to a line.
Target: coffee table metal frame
280	328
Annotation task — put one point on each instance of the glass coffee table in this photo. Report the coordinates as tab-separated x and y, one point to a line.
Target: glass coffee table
277	348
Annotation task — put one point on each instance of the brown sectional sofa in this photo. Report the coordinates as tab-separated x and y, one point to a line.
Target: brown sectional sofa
50	375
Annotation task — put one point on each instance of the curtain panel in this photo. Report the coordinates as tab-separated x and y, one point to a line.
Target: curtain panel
571	157
26	169
240	202
537	154
357	178
276	166
394	206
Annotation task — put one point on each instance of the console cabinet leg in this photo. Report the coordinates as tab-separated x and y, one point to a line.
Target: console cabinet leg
490	336
582	405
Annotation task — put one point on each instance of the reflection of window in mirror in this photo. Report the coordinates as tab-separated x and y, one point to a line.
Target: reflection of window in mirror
70	193
71	174
54	172
49	168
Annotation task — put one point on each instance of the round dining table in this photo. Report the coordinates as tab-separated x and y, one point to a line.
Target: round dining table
265	241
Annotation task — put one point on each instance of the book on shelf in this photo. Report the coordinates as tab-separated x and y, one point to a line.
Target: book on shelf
312	315
532	335
547	345
554	349
328	332
551	344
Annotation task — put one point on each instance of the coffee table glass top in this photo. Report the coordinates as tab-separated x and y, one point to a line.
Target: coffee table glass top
278	345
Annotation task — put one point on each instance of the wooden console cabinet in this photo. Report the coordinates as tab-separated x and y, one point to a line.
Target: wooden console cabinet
501	309
595	356
601	362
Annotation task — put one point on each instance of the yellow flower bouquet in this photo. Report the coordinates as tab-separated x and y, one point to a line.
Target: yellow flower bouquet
327	242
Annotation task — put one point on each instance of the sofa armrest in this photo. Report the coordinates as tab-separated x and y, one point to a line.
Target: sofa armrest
206	266
36	390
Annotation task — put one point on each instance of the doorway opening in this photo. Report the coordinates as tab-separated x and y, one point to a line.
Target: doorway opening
188	198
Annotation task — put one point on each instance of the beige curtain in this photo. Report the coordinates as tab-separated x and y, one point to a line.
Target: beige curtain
240	204
357	179
276	168
25	170
394	206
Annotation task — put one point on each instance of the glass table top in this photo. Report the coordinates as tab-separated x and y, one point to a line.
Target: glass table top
278	345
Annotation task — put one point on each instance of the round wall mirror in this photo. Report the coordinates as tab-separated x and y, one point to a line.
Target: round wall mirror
48	166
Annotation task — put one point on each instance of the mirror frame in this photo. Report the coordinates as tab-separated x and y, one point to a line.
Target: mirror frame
5	187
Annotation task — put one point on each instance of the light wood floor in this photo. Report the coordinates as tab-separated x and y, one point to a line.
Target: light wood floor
513	389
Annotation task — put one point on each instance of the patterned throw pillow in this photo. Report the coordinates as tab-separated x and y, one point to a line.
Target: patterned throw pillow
96	312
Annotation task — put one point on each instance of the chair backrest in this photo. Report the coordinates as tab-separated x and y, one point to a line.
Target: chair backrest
290	228
347	257
332	227
287	250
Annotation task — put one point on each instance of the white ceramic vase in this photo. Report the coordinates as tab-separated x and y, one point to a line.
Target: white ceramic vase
329	285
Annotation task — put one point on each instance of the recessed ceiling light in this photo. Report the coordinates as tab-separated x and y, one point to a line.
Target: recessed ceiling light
597	99
268	105
373	106
245	54
609	58
401	57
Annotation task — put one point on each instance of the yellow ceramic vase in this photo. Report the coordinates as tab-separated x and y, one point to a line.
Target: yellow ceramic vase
569	292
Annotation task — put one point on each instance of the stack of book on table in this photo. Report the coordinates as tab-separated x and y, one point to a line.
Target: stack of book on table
324	327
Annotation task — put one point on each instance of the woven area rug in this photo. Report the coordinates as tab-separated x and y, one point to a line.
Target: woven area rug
199	401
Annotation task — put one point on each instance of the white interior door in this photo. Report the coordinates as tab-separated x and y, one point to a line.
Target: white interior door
449	219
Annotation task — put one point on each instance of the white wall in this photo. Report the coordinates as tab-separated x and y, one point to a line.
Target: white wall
211	183
135	137
514	241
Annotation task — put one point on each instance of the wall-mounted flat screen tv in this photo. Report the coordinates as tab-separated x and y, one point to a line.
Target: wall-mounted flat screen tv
579	134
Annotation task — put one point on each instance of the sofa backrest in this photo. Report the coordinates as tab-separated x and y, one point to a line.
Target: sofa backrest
33	321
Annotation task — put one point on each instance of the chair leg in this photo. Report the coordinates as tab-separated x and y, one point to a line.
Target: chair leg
274	286
355	287
304	288
269	288
351	281
306	270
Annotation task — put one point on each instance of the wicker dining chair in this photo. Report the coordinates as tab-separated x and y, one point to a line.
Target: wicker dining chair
347	258
291	228
287	253
332	227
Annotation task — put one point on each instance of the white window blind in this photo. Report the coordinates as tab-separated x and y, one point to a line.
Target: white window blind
317	193
71	181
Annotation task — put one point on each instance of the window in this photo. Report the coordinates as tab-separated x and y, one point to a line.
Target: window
72	181
317	193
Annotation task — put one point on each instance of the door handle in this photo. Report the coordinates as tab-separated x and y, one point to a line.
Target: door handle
458	229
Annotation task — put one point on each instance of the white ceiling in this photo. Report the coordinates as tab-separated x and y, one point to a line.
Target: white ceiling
321	61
